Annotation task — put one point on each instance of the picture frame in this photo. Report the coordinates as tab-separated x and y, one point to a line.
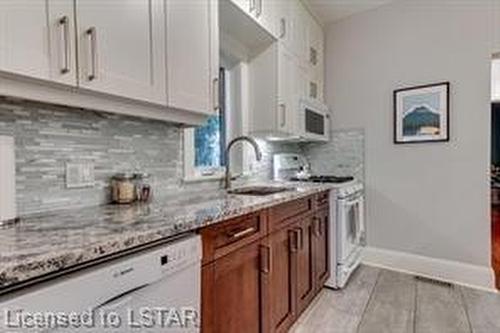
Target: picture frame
422	114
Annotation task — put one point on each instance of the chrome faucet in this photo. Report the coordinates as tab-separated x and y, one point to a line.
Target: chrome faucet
258	155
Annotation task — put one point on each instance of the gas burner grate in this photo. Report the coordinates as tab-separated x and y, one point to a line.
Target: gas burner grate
325	179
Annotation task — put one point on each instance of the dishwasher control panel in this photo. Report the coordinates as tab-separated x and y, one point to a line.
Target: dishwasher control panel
178	255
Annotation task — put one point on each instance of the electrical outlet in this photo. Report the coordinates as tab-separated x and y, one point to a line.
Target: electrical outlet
80	174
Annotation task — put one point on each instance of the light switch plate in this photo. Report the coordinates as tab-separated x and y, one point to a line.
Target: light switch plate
80	174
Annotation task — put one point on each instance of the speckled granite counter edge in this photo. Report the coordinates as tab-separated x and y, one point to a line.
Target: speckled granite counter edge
27	269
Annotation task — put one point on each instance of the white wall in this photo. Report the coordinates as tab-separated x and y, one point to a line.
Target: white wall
429	199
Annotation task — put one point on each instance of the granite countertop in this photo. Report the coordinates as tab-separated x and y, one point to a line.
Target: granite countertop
53	242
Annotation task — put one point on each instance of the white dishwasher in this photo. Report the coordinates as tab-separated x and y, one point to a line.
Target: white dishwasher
155	290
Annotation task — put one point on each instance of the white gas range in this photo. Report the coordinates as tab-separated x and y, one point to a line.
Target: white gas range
347	224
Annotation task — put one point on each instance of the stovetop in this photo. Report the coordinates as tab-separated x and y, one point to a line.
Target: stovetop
324	179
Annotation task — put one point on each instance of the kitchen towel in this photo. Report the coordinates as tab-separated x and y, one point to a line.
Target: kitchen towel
7	179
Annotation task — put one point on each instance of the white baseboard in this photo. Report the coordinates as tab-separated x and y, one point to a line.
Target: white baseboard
479	277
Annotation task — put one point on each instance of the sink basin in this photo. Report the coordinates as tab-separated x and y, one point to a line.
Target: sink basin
259	190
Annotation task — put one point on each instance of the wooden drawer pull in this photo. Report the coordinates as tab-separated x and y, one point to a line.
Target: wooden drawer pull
242	233
317	226
293	240
265	259
300	238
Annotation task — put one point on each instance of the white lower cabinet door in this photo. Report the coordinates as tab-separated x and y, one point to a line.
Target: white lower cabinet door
192	55
122	48
37	39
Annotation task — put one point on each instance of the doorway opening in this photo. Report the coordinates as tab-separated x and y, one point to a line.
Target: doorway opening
495	169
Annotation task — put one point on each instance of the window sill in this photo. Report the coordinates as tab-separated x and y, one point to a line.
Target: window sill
200	178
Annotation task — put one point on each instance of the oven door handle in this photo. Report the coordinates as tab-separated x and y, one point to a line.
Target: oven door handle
359	223
350	202
359	219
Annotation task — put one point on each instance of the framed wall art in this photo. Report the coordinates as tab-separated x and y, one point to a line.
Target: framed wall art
422	114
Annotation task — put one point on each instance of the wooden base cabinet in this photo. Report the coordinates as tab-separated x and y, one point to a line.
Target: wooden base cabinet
233	292
281	280
321	248
305	263
264	280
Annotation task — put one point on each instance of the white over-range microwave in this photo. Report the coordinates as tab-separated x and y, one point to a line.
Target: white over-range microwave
314	120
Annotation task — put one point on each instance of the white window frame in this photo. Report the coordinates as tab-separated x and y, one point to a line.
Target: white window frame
194	174
191	172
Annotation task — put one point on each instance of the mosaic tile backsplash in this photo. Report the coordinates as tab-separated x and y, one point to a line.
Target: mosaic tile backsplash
343	155
48	137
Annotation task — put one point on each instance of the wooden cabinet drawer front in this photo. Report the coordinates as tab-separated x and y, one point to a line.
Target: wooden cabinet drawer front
230	235
280	214
322	199
238	231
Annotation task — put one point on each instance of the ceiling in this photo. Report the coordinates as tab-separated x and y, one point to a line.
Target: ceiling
328	11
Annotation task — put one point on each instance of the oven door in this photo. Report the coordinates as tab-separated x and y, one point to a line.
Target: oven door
350	226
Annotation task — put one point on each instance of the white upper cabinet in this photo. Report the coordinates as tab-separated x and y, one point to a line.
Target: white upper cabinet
277	82
290	70
214	55
122	48
315	59
287	82
37	39
284	11
192	55
300	20
264	12
292	26
248	6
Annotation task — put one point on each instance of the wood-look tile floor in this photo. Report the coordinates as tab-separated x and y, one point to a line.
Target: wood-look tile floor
383	301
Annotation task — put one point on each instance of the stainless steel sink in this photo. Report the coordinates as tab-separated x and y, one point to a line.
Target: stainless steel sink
259	190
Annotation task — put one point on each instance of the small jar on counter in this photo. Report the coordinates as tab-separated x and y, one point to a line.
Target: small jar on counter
123	189
142	188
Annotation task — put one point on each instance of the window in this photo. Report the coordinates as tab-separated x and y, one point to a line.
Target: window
209	143
204	146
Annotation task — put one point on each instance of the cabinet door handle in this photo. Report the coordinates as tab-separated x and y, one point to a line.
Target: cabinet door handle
282	27
316	226
300	237
251	5
282	108
242	233
319	227
259	9
265	259
293	240
92	35
64	24
215	93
